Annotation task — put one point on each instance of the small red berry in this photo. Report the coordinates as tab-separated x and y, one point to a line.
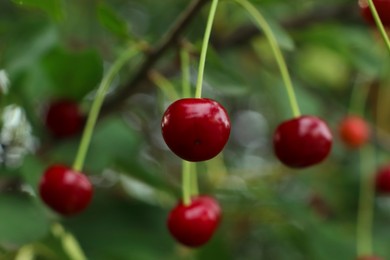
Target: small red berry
381	6
194	225
303	141
354	131
195	129
382	180
66	191
369	258
64	118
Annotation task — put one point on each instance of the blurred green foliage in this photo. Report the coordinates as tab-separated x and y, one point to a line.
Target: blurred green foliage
53	49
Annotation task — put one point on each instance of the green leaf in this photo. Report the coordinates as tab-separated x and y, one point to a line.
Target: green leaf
73	74
23	220
52	7
111	21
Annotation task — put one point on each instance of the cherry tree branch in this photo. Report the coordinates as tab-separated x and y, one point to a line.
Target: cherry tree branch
153	55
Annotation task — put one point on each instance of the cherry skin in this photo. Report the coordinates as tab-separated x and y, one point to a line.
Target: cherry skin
381	6
382	180
64	118
354	131
66	191
194	225
303	141
195	129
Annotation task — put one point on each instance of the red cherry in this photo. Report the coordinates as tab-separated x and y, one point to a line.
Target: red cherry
195	129
382	181
302	141
64	190
354	131
194	225
64	118
381	6
369	258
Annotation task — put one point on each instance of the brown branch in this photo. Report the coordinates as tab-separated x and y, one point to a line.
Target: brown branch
154	55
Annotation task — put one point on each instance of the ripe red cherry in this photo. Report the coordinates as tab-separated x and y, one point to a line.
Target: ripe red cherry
381	6
382	180
195	129
64	118
66	191
194	225
369	258
354	131
302	141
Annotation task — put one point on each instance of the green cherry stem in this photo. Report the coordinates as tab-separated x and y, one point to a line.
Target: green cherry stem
264	26
205	44
194	180
379	23
96	105
186	179
185	69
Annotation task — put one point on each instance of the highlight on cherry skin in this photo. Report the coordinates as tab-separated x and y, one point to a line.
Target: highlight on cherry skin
64	118
354	131
194	225
64	190
382	180
195	129
382	7
302	141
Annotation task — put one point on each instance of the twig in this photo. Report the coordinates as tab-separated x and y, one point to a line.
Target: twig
154	55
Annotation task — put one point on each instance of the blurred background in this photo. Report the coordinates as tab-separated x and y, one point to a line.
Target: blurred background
55	49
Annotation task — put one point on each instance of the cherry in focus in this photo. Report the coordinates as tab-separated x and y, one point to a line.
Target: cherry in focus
303	141
195	129
195	224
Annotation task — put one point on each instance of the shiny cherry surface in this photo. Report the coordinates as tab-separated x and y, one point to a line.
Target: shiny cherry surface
194	225
382	180
381	6
195	129
354	131
302	141
66	191
64	118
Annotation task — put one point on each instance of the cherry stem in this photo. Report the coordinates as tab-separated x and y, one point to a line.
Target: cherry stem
264	26
194	181
366	199
97	104
379	23
186	182
185	69
164	84
206	38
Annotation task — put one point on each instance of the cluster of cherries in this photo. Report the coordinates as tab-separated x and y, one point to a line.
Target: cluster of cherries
197	129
